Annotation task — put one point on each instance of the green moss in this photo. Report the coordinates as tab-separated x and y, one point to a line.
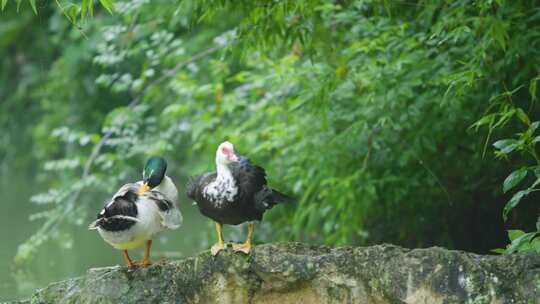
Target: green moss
537	281
281	273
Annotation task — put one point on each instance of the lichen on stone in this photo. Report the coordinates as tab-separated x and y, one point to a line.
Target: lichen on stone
299	273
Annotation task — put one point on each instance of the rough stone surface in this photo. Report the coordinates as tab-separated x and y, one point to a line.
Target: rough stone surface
299	273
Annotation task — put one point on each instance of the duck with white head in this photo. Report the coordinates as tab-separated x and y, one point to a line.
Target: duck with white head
236	193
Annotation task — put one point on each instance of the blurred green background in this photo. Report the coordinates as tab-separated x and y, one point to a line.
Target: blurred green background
408	122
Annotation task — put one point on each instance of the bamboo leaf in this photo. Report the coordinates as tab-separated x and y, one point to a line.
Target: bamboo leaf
506	145
108	5
514	178
523	116
33	5
513	202
520	242
514	234
499	33
89	4
533	88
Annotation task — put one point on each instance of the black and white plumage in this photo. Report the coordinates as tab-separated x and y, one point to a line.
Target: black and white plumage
140	210
236	193
171	217
236	198
130	219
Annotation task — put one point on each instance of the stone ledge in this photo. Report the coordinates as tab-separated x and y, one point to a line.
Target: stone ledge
299	273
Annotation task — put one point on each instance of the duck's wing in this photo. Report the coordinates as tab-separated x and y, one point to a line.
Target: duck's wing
196	184
171	217
252	185
249	178
121	212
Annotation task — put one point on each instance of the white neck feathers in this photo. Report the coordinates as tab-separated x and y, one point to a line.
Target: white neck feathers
223	172
223	188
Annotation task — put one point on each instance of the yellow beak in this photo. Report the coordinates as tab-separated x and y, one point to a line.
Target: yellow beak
144	188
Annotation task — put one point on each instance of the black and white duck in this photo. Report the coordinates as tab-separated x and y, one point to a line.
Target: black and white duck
140	210
236	193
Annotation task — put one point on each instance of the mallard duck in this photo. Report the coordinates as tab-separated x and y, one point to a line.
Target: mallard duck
235	194
140	210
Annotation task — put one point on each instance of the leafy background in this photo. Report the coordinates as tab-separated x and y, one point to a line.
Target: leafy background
409	122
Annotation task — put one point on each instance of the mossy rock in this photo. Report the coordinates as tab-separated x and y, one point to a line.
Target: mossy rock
300	273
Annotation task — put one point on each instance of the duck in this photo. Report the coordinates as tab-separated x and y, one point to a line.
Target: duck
237	192
140	210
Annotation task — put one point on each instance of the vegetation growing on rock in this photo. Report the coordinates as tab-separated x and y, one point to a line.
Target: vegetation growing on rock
298	273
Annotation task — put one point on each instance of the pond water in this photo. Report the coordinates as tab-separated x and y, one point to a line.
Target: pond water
53	263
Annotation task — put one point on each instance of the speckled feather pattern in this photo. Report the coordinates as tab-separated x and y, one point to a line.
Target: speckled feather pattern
238	194
221	190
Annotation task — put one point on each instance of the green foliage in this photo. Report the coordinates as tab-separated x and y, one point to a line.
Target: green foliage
521	241
360	109
514	178
522	144
75	12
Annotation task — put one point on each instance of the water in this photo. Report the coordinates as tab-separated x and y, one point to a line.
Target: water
53	262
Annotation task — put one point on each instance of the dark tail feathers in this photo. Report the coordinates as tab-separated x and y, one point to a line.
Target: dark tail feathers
279	197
